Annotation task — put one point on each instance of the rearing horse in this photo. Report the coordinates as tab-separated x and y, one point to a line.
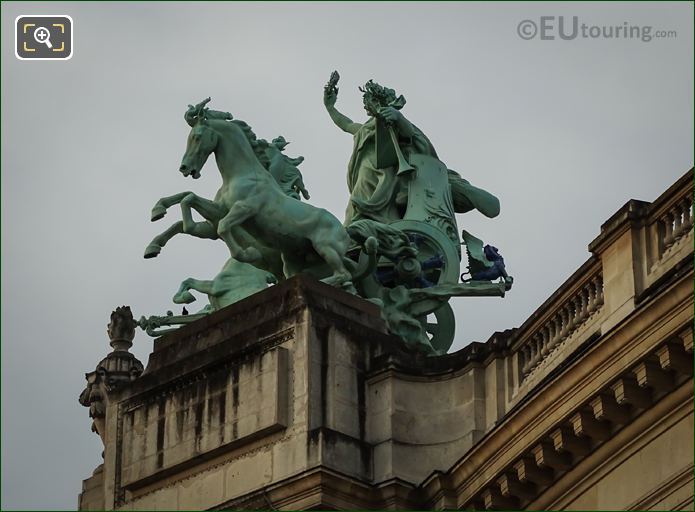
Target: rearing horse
250	212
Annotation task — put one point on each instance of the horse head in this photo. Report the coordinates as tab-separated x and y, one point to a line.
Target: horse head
202	140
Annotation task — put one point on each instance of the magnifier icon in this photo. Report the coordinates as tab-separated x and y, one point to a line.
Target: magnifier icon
42	35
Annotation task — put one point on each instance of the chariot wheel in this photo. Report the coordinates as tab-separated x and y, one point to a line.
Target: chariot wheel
440	326
437	262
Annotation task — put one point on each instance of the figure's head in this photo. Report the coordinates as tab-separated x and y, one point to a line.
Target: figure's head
280	142
202	140
376	96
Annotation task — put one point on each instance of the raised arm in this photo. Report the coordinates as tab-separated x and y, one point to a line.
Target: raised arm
330	96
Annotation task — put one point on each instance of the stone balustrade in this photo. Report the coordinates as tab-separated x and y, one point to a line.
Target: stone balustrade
637	247
677	221
670	228
564	320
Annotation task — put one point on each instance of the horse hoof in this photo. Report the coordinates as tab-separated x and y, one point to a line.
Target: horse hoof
378	302
152	250
184	298
157	213
348	287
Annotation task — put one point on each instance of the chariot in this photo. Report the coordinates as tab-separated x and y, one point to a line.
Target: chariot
409	263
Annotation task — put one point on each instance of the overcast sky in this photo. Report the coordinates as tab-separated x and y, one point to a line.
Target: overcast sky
564	132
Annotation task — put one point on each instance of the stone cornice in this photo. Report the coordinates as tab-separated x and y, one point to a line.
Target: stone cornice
324	488
630	215
592	399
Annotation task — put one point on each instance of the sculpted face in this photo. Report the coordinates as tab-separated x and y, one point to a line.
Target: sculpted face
371	104
201	142
376	96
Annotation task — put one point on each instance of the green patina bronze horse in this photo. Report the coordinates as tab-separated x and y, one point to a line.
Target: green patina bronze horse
250	213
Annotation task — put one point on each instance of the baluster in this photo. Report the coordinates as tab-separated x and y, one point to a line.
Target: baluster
668	230
571	313
593	290
545	332
567	315
599	290
591	298
523	361
534	355
584	304
529	363
687	216
544	346
544	341
564	322
575	309
557	322
678	224
531	355
580	308
552	332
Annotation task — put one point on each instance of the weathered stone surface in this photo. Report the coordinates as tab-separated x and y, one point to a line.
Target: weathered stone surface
197	417
261	395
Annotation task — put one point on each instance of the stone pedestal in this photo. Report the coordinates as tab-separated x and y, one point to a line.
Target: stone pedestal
293	398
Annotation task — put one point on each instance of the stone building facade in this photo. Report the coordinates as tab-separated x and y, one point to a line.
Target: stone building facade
297	398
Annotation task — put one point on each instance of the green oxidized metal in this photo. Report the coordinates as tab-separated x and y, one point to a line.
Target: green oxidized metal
398	247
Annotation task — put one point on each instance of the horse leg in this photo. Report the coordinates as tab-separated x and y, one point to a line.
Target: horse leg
236	215
155	246
208	209
199	230
290	266
159	209
341	276
183	296
211	211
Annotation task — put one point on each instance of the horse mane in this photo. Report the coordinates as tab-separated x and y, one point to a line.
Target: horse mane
259	145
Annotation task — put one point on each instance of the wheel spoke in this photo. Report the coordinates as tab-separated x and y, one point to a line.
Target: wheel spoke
441	331
385	275
423	282
436	261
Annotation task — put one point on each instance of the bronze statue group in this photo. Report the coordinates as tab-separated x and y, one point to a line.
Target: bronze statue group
398	246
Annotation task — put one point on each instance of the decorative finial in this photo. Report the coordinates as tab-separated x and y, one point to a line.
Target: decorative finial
121	328
117	369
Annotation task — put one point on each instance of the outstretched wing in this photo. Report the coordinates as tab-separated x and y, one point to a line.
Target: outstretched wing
476	256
